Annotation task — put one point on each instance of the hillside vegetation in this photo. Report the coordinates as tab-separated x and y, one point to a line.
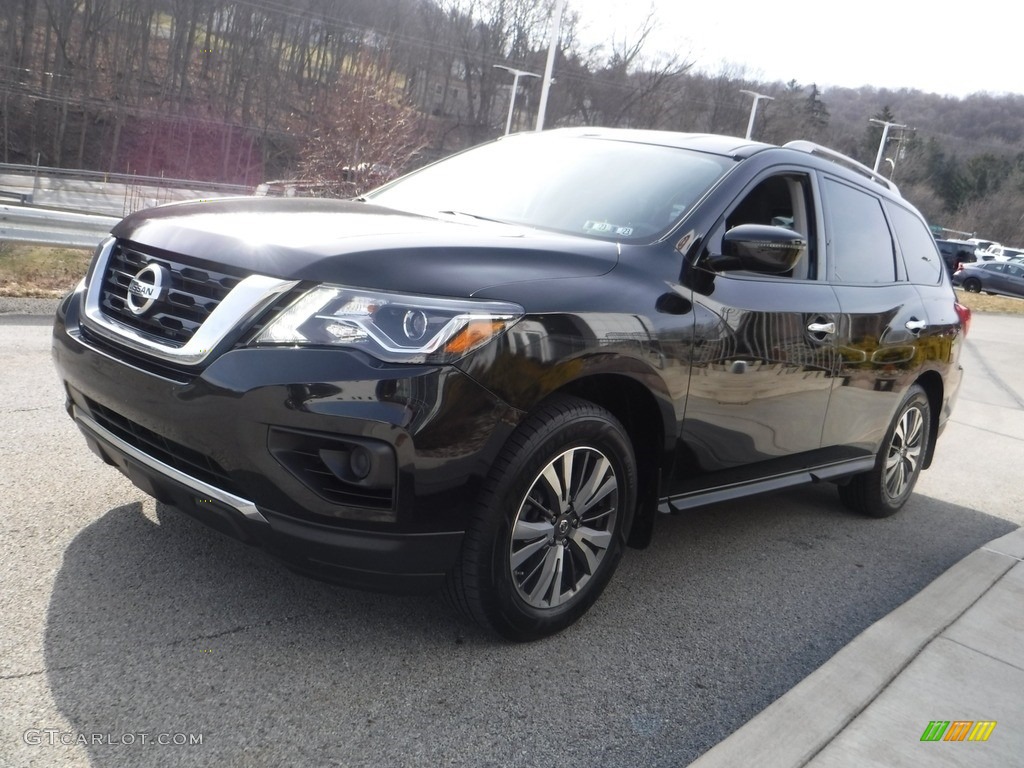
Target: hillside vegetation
345	94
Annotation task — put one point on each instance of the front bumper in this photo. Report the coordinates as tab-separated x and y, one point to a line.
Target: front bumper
210	444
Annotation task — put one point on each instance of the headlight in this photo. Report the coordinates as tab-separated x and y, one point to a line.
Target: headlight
392	327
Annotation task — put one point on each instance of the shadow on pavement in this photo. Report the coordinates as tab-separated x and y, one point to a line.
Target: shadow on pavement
158	625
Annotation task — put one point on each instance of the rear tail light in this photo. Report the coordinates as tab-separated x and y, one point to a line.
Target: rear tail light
964	313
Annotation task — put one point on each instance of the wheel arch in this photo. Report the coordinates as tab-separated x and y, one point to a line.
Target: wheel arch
931	383
649	421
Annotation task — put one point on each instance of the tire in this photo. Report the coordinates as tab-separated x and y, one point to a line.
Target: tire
972	285
886	488
551	523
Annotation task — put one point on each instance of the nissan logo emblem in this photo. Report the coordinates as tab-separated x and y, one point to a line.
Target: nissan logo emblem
146	288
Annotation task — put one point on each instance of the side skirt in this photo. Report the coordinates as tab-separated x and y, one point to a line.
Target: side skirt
715	494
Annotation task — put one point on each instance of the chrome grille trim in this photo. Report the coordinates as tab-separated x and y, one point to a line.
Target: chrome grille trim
184	304
247	299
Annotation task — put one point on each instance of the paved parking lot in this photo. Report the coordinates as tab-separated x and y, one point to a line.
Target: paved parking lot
124	624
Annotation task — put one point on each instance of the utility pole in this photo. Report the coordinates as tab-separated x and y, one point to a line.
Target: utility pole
517	73
556	28
885	137
753	109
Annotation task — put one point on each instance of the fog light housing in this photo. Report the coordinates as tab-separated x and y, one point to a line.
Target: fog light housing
348	471
360	462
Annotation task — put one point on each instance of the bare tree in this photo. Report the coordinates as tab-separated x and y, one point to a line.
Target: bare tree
362	138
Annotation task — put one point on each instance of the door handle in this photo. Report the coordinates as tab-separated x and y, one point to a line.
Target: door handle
916	326
826	328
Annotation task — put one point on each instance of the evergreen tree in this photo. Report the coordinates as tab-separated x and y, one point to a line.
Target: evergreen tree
815	111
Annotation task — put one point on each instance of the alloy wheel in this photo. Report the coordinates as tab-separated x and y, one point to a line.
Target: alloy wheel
904	457
564	527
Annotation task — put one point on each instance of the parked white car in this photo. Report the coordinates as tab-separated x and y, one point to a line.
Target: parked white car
998	252
981	248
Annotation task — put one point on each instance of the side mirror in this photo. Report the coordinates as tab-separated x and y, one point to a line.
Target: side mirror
759	248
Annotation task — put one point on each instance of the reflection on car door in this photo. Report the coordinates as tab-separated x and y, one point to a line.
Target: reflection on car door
764	352
878	353
882	318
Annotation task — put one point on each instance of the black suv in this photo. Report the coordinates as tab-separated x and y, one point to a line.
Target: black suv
491	374
956	252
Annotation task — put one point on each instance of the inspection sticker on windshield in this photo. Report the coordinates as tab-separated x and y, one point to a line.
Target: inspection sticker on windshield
604	228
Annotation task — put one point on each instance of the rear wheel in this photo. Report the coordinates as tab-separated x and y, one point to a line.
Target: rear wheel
886	488
972	285
551	524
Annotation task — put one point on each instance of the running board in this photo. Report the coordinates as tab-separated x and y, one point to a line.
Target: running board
704	497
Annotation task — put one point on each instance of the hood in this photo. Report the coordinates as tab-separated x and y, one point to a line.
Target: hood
363	245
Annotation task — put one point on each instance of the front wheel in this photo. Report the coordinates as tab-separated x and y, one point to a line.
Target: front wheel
972	285
885	489
551	524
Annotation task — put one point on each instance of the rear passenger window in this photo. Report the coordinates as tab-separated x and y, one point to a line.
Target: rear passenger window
861	249
920	254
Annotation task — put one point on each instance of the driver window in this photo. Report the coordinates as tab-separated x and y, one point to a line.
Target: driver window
781	201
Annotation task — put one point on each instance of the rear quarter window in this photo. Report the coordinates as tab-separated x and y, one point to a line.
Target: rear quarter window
920	254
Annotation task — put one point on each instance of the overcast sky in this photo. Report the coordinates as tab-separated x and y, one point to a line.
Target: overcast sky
938	46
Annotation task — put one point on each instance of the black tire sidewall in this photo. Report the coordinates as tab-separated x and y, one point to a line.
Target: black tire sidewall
580	424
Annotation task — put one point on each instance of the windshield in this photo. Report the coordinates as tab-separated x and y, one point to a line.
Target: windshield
613	190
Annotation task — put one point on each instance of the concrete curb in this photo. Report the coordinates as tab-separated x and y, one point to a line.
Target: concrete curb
790	732
12	305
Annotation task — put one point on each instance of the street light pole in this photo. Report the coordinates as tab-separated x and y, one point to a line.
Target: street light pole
556	26
885	137
753	108
517	73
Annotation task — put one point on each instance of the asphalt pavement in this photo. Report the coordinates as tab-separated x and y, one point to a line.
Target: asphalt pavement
782	631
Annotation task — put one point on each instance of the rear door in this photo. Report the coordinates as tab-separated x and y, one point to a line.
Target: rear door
1007	278
882	317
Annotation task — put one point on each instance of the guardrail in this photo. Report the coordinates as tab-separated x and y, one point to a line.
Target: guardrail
42	226
25	198
123	178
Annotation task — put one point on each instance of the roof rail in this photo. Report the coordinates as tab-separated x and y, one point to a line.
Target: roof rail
840	159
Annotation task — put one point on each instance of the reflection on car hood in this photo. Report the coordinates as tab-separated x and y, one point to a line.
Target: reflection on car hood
364	245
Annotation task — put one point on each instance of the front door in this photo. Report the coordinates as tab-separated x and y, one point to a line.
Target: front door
764	354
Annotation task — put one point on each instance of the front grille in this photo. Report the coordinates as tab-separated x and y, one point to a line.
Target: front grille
192	295
168	369
186	460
